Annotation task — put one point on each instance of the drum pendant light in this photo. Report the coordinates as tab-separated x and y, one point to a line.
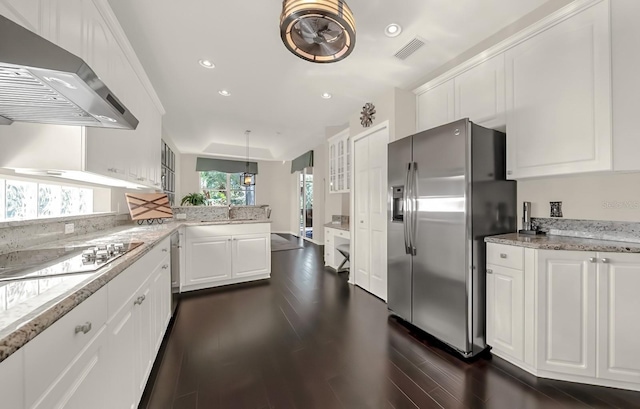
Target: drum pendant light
320	31
248	179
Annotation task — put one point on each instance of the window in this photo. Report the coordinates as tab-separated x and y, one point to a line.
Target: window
222	189
20	200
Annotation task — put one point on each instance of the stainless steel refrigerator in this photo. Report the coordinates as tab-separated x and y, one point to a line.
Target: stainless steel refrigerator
448	191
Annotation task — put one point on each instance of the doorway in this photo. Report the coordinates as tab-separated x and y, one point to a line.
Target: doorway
306	203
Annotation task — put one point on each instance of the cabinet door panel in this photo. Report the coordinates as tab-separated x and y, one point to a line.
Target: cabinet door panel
436	106
145	328
618	301
251	255
505	310
208	260
480	94
122	357
567	312
12	380
82	383
26	13
559	98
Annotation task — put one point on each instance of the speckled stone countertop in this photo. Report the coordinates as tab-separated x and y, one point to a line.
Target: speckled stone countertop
337	226
551	242
21	324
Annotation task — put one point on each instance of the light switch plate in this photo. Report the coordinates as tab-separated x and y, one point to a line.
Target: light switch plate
181	216
69	228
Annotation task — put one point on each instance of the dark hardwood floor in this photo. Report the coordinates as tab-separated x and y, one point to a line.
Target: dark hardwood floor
306	339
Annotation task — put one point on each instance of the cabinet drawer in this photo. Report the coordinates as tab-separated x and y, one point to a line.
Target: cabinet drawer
505	256
48	354
194	232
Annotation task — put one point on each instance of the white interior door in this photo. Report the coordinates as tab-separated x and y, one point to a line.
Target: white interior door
361	205
378	147
370	211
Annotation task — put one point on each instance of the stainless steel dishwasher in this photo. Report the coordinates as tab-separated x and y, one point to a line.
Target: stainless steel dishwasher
175	271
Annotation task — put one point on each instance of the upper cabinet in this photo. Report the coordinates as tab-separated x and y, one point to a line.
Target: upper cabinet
88	29
479	94
559	98
340	163
550	88
436	106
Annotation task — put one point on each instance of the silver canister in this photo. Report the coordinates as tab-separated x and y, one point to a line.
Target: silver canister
526	215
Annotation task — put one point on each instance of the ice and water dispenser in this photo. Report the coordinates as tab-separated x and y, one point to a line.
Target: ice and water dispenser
397	204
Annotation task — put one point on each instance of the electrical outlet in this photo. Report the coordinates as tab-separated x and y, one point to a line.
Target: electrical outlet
69	228
181	216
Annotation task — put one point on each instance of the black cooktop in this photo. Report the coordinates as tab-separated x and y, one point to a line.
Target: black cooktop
28	264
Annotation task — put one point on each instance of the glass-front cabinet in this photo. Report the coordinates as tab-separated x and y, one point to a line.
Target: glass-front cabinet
340	163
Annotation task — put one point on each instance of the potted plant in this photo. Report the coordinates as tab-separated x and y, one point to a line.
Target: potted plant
194	199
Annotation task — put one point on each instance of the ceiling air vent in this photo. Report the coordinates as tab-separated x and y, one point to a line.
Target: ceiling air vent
408	50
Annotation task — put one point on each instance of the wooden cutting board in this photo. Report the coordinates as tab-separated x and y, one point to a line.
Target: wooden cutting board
144	206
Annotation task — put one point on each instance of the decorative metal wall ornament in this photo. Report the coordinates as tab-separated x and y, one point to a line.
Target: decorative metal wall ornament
320	31
248	178
368	114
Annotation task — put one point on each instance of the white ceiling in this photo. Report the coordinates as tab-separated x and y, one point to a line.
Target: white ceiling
274	93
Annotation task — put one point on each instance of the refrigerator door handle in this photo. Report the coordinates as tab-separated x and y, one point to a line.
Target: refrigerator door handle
407	212
414	207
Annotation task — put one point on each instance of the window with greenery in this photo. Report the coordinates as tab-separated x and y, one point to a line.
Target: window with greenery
222	189
20	200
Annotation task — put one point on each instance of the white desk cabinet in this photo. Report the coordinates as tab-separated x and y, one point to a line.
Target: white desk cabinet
218	255
333	238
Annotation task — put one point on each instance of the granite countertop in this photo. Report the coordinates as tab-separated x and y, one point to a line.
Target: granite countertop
36	312
552	242
337	226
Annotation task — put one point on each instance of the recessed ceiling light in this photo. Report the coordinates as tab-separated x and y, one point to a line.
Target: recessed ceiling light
207	64
326	95
224	93
393	30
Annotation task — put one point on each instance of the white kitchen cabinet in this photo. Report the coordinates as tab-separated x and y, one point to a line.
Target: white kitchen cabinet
480	94
558	86
26	13
226	254
251	255
436	106
208	260
505	310
77	152
566	312
618	323
579	318
340	163
137	323
77	372
12	380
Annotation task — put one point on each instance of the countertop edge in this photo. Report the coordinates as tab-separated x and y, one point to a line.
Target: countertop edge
563	243
12	342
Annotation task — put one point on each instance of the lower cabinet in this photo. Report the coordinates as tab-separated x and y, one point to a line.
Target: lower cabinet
226	254
333	238
505	310
618	307
12	380
566	315
566	311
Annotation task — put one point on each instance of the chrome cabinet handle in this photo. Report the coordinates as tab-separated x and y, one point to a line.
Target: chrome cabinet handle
164	250
83	328
166	266
593	260
489	271
605	260
140	300
503	255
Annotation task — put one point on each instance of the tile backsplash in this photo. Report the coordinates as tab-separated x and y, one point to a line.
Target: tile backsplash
591	229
